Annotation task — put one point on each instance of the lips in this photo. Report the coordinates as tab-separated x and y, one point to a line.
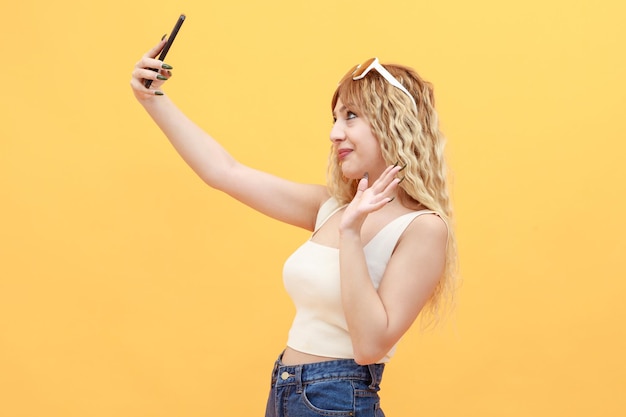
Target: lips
342	153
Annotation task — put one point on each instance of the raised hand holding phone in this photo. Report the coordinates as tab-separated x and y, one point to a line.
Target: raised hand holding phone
168	45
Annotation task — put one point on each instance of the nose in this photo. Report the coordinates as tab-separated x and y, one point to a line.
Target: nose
337	133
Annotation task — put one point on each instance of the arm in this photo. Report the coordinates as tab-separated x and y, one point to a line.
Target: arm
378	319
284	200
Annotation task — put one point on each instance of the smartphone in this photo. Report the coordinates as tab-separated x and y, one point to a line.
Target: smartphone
168	45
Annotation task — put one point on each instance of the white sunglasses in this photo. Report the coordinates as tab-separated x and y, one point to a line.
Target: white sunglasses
361	70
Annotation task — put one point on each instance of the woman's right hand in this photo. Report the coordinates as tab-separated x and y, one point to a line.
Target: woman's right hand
150	68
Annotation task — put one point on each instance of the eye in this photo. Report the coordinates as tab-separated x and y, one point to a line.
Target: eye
351	115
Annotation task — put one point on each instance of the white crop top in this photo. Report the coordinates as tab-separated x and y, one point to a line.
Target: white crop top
311	277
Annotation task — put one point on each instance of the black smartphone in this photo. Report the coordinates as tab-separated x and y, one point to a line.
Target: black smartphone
168	45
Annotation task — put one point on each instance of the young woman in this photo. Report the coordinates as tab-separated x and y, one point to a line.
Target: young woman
382	248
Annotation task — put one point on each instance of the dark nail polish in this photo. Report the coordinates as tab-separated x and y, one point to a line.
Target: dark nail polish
366	175
161	77
164	36
158	93
403	167
390	200
167	67
401	179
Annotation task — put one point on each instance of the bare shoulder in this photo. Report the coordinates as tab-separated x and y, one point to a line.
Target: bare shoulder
427	228
421	251
416	266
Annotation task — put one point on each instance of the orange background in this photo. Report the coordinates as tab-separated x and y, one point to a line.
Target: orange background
128	288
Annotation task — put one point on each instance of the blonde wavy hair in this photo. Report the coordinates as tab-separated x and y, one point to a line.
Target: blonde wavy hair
407	138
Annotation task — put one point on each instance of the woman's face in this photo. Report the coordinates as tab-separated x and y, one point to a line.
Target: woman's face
358	151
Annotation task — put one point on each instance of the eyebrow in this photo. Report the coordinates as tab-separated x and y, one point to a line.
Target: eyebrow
341	110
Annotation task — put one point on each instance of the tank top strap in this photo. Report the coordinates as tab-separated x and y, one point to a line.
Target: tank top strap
384	243
327	209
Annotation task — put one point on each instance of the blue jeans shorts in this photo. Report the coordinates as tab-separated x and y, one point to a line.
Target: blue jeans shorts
332	388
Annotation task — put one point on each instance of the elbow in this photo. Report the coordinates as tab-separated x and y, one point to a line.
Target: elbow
368	355
362	360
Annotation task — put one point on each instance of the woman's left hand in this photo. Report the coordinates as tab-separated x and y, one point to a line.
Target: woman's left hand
370	199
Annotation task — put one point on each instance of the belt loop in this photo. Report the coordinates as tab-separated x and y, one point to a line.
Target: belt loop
374	377
275	371
298	377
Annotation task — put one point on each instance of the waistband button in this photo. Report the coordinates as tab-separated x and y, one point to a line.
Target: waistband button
284	376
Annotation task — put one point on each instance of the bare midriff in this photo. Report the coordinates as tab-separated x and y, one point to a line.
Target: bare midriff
295	357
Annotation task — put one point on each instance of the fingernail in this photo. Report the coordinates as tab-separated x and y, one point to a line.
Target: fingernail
390	200
158	93
161	77
169	73
401	179
168	67
164	36
366	175
396	164
403	167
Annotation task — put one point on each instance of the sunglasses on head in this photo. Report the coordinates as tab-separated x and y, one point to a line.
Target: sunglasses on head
360	71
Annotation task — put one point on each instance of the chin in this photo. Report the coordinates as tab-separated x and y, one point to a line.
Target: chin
351	174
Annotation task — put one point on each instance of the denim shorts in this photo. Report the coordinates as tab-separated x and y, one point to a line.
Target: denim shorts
332	388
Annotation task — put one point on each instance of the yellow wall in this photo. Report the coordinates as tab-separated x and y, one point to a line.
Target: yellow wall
128	288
